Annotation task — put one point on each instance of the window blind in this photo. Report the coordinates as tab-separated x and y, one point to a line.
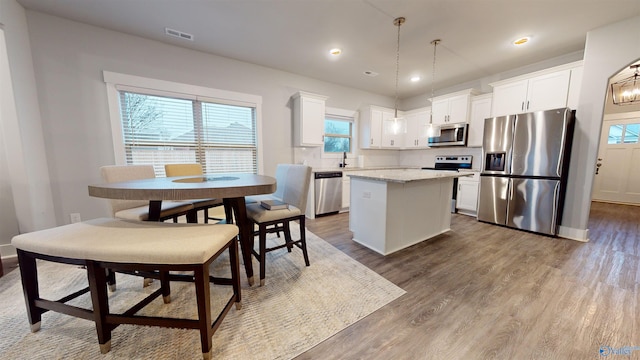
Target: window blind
161	130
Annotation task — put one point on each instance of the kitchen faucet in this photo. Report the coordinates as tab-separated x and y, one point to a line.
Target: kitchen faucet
344	160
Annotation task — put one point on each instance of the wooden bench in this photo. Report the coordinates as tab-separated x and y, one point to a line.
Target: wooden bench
151	249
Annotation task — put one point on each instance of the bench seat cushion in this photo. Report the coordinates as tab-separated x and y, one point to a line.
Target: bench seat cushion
128	241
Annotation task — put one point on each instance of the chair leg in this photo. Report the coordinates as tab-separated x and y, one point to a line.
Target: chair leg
262	234
286	229
165	286
303	240
206	215
111	279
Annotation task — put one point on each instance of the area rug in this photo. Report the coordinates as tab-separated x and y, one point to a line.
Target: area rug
298	308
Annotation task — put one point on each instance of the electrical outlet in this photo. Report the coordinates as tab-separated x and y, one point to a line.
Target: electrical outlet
75	217
366	195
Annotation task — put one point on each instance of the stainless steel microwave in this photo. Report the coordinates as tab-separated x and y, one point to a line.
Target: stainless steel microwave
451	135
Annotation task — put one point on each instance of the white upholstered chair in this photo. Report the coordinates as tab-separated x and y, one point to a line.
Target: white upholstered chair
199	204
293	183
139	209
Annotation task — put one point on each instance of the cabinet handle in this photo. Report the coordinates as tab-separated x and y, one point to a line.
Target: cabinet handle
522	107
371	142
527	104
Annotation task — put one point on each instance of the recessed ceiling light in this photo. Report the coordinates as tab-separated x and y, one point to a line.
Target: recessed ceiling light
521	41
335	52
415	78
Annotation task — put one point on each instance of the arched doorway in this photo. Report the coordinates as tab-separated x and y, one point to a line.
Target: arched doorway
617	174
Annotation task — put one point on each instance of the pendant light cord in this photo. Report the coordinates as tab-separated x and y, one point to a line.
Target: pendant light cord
397	22
433	77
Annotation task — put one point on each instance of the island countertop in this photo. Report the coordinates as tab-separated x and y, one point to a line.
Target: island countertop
405	175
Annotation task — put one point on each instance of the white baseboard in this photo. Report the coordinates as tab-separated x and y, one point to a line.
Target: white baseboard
7	250
573	234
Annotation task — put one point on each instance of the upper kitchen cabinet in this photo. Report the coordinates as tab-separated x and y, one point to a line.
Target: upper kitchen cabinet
416	134
452	108
393	130
377	128
308	119
480	110
542	90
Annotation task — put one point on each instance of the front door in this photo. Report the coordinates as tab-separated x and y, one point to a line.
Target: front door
617	176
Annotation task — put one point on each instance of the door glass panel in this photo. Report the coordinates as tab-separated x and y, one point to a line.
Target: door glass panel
631	133
615	134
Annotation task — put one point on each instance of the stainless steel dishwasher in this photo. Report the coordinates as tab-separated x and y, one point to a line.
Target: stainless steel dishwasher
328	188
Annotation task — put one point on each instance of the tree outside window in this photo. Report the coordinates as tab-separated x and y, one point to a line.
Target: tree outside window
337	135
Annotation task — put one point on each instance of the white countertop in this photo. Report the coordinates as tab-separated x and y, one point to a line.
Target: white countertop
366	168
405	175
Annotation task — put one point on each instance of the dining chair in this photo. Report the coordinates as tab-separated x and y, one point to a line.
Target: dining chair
294	182
139	209
199	204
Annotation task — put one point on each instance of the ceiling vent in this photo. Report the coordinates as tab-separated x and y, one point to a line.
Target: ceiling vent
370	73
178	34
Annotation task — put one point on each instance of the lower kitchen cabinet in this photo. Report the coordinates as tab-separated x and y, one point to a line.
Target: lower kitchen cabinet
467	194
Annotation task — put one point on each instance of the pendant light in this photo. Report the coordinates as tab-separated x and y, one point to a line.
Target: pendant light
433	130
396	120
627	91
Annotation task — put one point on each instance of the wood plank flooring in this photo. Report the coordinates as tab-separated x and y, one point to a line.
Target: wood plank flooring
487	292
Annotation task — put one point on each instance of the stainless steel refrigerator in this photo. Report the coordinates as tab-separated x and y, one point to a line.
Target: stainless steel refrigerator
525	168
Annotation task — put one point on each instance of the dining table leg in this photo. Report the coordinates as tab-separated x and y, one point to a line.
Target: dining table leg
245	228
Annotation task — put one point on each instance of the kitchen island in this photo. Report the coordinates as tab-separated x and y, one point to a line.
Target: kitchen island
393	209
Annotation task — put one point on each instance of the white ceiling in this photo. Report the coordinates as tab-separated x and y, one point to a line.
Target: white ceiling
296	35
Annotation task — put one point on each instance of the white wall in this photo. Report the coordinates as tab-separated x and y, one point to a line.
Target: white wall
69	58
24	166
608	50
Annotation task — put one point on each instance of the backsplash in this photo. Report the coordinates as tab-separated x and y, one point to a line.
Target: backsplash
374	158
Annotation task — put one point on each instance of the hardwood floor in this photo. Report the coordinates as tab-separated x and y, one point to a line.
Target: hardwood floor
487	292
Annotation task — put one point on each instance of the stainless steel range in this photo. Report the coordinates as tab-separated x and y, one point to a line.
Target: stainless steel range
452	163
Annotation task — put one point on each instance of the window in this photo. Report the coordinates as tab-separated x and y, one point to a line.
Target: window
623	134
337	134
159	128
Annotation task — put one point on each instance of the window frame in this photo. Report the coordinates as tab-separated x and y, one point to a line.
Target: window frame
346	115
116	82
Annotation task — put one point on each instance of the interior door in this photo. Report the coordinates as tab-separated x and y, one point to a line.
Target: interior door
617	176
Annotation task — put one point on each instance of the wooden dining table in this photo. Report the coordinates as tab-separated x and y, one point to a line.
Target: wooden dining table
232	188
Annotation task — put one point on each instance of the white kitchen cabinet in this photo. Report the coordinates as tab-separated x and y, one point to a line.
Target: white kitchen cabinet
379	130
308	119
467	194
371	127
416	122
393	130
574	87
542	90
452	108
480	110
